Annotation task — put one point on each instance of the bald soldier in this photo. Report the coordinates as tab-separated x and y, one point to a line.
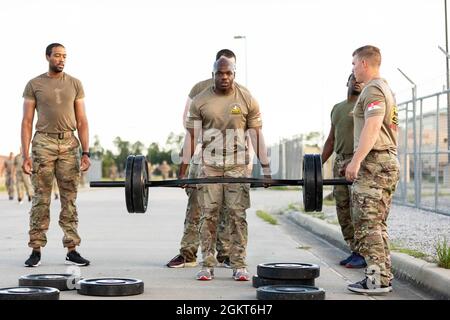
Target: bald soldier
221	115
374	170
190	240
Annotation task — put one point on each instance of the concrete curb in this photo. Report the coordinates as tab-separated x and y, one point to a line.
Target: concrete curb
426	276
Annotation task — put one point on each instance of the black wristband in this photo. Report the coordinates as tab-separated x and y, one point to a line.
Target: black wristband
86	153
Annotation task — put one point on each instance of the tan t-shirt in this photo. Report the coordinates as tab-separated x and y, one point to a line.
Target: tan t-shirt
200	86
377	99
342	120
224	119
55	99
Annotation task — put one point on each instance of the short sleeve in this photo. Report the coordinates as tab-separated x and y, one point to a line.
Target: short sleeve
254	115
28	93
193	119
374	103
80	90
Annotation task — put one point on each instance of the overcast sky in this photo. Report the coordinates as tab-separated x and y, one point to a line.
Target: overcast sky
138	60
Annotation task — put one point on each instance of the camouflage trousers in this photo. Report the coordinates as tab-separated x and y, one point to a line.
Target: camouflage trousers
342	195
9	183
236	198
58	158
23	182
372	194
191	236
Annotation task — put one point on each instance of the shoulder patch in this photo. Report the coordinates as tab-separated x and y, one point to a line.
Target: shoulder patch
374	106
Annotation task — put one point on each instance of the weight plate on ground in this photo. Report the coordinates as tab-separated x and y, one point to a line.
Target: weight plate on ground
319	181
290	292
288	270
260	282
140	177
309	186
110	287
29	293
60	281
129	183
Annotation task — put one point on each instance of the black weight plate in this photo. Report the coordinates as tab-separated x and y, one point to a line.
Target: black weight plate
290	292
129	183
110	287
29	293
309	183
319	181
288	270
260	282
60	281
140	177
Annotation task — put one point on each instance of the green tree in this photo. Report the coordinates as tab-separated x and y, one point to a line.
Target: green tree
97	150
123	147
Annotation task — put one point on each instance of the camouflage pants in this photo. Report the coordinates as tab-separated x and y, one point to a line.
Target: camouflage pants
9	182
191	236
342	195
372	194
23	182
236	198
61	158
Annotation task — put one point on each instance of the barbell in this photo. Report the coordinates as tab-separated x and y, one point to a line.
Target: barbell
137	182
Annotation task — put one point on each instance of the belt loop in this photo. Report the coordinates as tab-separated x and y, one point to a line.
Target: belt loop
61	135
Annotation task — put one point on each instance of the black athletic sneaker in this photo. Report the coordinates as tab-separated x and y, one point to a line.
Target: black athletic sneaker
34	260
362	287
73	257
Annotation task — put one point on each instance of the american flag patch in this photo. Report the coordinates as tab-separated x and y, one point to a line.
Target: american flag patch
374	106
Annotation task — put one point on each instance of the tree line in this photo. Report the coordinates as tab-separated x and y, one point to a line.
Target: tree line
154	153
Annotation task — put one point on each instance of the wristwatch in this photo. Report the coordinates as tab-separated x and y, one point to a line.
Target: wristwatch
87	153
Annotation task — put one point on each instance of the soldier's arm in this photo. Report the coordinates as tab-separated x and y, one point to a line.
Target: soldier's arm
29	106
259	145
187	151
328	146
83	131
367	139
186	110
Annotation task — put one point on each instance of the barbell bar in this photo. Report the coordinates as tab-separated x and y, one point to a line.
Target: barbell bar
137	182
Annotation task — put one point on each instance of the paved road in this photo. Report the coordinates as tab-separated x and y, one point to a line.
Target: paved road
139	245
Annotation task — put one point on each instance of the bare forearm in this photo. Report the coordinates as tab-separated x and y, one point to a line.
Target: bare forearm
187	152
83	135
26	131
260	148
327	150
367	140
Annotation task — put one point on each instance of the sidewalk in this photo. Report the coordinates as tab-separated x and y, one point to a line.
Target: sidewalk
425	275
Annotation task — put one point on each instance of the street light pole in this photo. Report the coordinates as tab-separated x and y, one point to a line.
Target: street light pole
245	56
448	76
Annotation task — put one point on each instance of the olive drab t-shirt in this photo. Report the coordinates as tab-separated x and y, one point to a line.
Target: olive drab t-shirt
55	99
224	120
377	99
342	120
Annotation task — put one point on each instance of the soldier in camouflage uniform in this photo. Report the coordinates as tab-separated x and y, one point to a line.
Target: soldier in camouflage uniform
8	170
374	170
22	180
340	140
215	112
190	240
58	99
